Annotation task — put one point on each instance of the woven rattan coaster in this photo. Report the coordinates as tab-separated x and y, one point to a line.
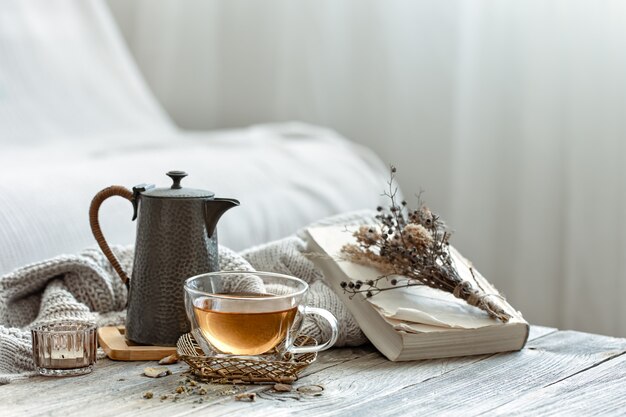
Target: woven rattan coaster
243	371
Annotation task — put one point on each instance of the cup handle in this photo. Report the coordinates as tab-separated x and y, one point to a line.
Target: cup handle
334	329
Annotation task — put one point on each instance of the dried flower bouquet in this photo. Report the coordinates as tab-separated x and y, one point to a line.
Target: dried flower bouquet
411	247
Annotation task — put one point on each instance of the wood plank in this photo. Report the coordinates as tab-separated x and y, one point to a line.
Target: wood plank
357	380
600	390
363	385
103	393
485	385
342	383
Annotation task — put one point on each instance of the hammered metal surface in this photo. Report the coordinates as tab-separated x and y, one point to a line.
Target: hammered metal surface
172	245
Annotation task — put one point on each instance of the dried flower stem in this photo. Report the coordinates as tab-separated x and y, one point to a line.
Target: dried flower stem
409	248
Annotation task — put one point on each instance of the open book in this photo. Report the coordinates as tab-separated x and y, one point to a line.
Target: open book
417	322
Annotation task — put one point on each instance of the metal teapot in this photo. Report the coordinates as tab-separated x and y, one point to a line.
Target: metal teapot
176	239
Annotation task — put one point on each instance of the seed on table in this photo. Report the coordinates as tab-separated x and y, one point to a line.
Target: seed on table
311	389
168	360
156	372
282	387
245	396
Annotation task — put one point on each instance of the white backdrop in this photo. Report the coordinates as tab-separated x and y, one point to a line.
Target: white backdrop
511	115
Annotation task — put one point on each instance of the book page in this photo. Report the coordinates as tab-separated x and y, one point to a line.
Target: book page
417	304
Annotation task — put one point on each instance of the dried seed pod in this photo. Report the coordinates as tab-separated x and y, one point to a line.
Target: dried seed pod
282	387
245	396
147	395
156	372
168	360
311	389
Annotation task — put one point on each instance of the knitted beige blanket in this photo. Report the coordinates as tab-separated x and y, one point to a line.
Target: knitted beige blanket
85	288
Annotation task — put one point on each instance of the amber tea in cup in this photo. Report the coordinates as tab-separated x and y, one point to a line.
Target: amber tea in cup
250	314
243	333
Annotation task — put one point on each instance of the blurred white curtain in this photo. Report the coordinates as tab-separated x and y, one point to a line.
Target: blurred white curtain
539	168
512	115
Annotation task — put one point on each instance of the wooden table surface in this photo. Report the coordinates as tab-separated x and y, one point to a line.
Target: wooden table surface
558	373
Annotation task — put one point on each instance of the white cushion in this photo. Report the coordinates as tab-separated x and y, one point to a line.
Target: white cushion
66	75
75	117
284	175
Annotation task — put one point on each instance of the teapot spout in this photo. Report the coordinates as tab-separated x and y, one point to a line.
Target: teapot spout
213	210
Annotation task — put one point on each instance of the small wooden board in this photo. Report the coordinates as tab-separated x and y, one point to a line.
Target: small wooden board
114	343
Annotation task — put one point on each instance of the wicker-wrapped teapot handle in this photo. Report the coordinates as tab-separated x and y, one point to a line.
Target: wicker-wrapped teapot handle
95	224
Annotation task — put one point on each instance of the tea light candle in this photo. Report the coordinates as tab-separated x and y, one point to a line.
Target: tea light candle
64	348
66	354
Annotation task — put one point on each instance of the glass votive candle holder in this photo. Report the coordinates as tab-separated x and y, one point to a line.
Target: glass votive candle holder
64	348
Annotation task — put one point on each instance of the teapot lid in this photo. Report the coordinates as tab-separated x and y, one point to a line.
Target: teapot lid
176	190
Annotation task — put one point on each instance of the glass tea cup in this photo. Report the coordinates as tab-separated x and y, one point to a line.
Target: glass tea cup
251	314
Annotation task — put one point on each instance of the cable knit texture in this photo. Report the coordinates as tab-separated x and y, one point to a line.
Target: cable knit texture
85	288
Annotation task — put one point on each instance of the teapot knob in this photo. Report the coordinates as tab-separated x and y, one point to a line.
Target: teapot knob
176	176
